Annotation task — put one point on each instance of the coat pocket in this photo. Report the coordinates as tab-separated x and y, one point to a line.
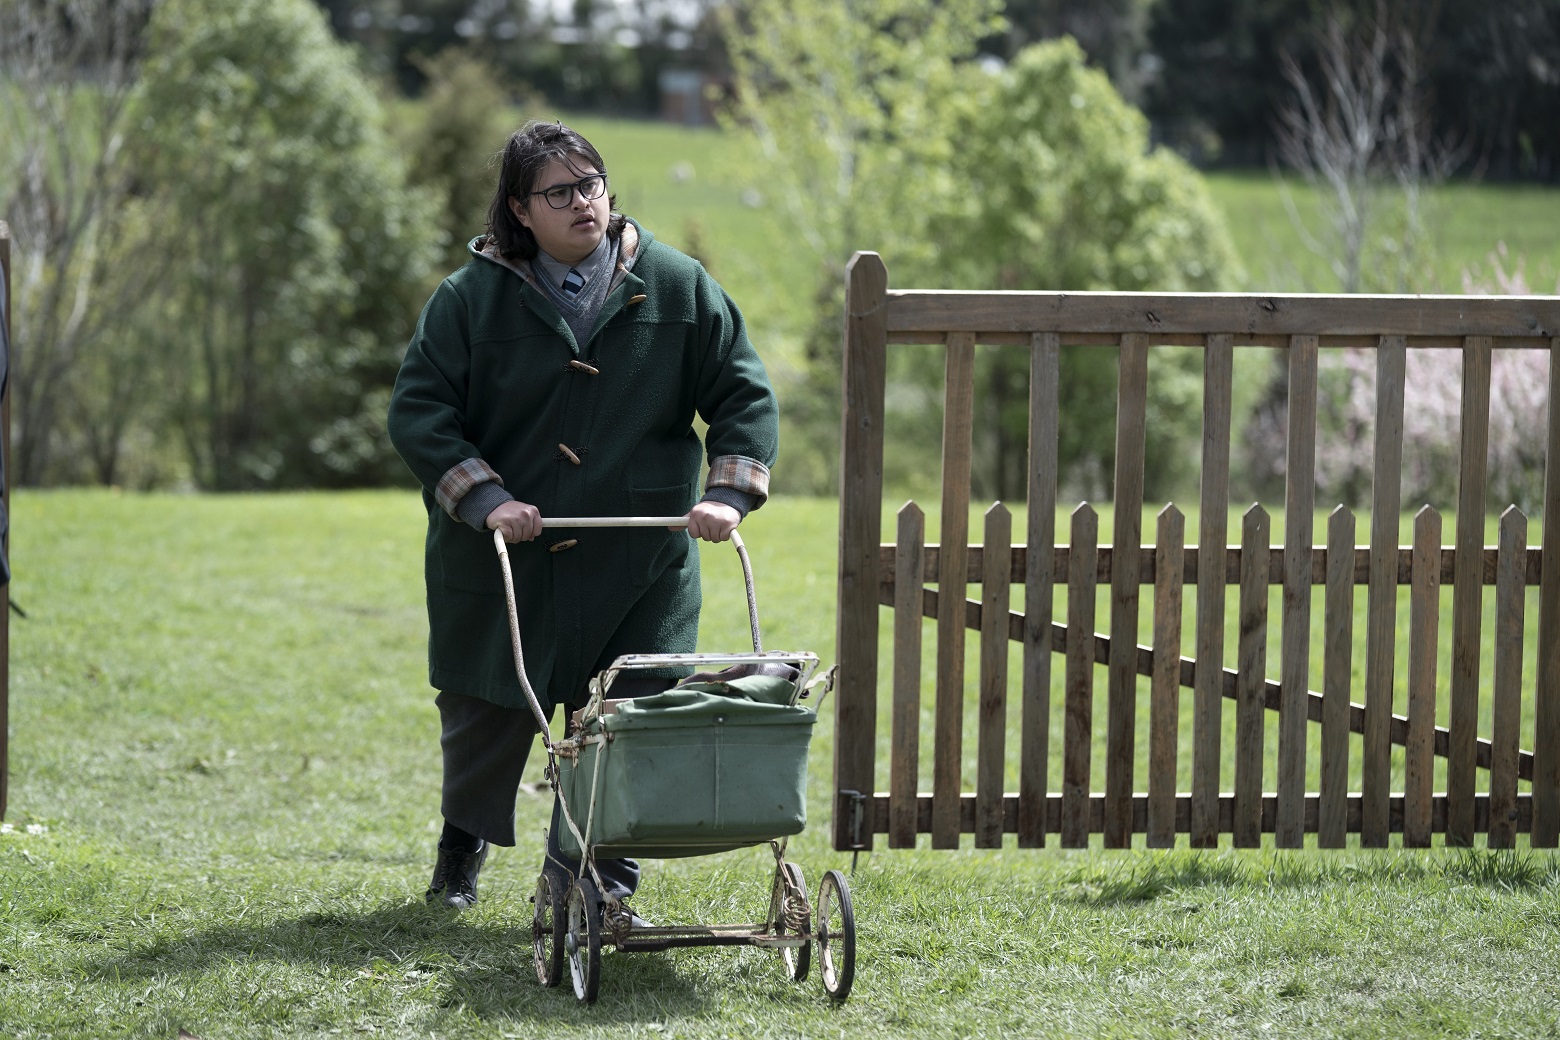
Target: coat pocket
653	549
464	559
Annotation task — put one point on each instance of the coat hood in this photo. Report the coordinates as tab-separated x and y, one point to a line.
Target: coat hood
633	237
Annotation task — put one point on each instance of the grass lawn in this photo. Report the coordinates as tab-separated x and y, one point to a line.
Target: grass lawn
1466	223
224	801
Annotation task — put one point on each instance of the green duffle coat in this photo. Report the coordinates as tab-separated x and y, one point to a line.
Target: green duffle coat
488	377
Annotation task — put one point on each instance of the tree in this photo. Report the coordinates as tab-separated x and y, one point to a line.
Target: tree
302	255
844	102
1494	75
1056	187
1357	128
69	70
1489	69
453	143
393	34
1217	83
1037	177
1113	33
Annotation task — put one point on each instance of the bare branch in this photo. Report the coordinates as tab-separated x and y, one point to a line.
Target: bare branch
1360	126
69	72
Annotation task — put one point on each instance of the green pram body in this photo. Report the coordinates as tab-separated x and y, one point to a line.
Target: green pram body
704	767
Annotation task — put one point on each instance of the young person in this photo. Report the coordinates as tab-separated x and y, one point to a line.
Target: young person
559	373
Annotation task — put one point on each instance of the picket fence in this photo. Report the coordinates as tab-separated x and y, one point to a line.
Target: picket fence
1521	790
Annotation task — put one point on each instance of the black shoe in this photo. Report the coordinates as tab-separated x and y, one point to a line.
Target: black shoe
455	876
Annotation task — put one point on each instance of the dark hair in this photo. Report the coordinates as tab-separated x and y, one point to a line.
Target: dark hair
527	152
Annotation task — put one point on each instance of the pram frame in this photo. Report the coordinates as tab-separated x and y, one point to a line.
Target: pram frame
787	926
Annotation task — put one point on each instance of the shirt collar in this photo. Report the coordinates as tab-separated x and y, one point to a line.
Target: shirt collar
554	270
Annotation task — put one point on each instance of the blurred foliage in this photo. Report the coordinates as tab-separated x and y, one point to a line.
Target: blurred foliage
452	141
302	254
1036	177
1208	72
67	76
1056	187
1113	33
1492	74
845	105
592	54
216	278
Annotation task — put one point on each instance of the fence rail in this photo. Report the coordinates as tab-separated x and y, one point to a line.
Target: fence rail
900	575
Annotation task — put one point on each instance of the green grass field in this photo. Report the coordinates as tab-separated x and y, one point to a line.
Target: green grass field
224	799
1466	223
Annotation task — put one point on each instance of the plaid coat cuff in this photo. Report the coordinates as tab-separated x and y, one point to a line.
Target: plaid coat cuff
744	474
458	480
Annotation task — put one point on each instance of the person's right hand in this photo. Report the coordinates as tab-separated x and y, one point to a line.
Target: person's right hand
519	521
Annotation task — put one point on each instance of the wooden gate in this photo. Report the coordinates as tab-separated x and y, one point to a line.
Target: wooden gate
917	580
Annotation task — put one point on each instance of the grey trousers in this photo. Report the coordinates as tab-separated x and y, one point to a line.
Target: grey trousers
485	749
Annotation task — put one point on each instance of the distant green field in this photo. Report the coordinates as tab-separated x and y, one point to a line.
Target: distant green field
1467	222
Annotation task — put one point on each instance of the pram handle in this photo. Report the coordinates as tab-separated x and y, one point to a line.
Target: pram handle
615	521
604	521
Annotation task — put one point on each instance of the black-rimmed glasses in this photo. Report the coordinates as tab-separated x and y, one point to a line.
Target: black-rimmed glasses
559	196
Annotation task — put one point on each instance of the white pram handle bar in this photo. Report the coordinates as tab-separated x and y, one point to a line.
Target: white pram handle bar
615	521
603	521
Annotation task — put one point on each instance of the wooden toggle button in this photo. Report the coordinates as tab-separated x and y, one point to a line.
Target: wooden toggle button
567	543
583	367
569	454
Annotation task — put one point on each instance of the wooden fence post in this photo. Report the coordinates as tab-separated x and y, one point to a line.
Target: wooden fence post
1295	660
1164	711
905	729
991	746
1337	661
1468	590
1078	728
1035	723
1212	561
1250	682
1381	608
861	504
1510	613
1546	733
948	741
1424	618
5	498
1127	505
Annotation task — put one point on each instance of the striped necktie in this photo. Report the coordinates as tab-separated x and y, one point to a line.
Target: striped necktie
573	283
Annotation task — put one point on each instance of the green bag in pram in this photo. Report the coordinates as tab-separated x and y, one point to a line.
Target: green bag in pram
701	768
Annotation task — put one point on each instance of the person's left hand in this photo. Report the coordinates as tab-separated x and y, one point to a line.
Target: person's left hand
713	521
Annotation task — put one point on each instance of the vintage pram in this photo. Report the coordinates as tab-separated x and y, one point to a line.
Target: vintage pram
718	762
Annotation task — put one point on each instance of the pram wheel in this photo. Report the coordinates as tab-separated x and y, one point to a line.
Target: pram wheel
836	935
548	922
583	939
789	911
